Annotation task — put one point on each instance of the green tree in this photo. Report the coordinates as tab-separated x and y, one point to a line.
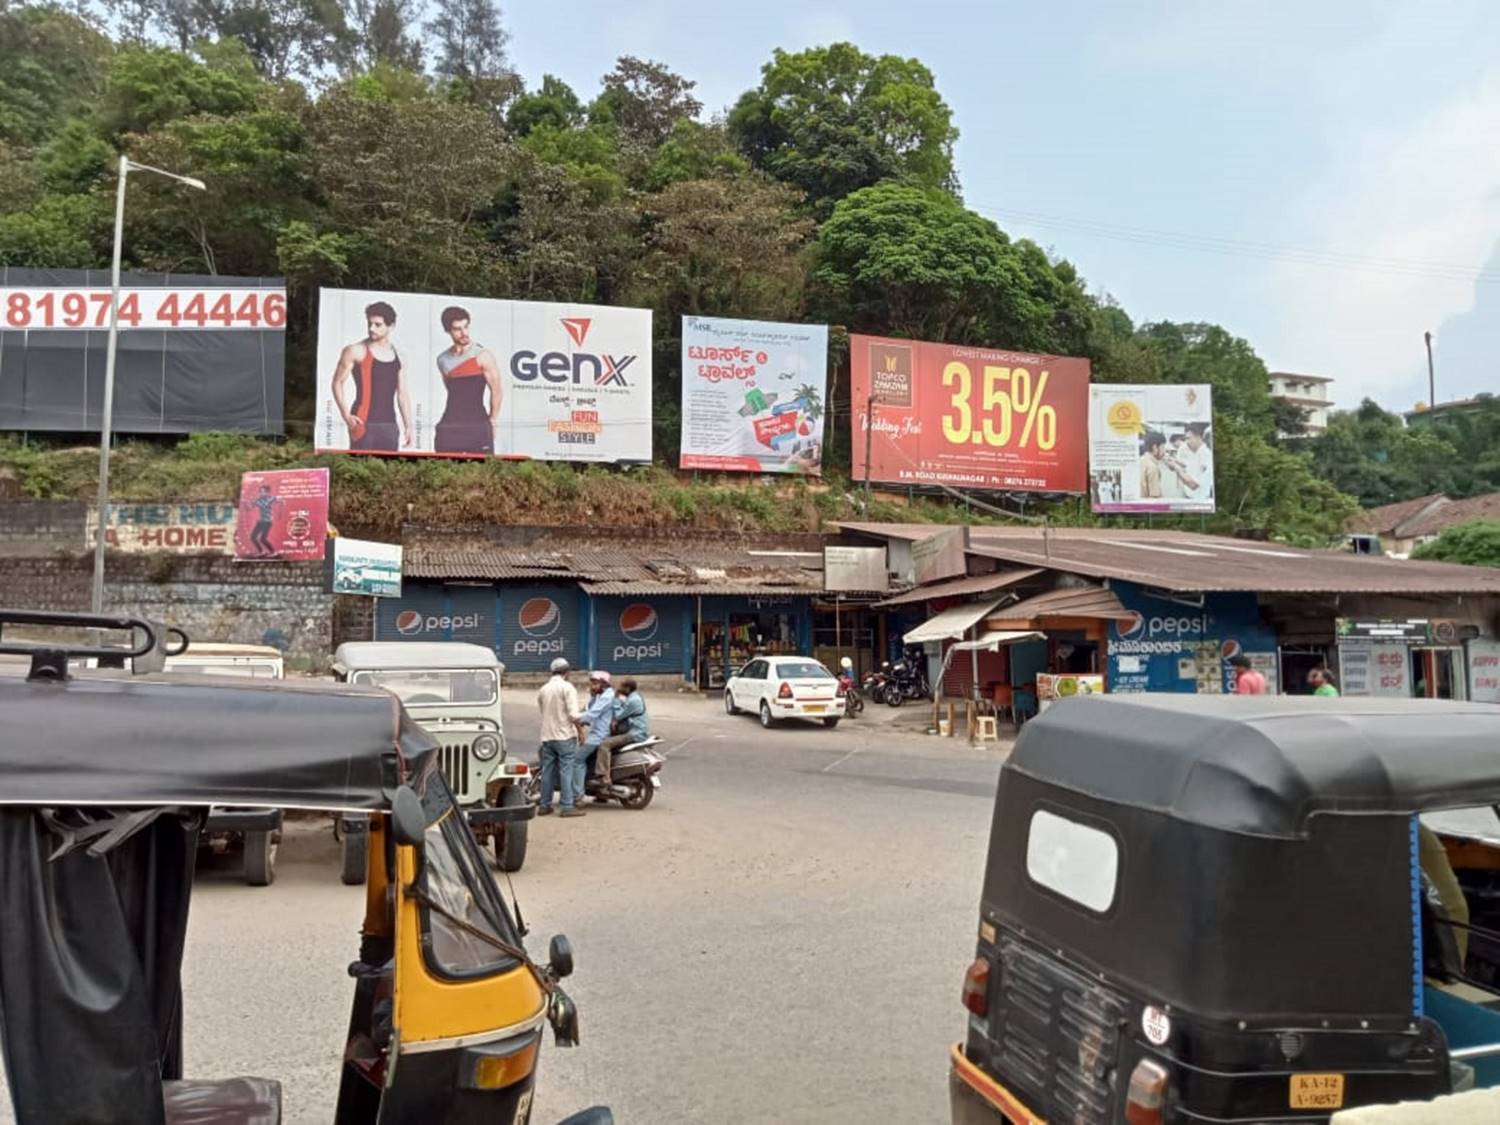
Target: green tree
1370	454
283	38
911	261
1476	543
832	120
52	66
380	33
151	86
471	39
695	151
1207	353
646	101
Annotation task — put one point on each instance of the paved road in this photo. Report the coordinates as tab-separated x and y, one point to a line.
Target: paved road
781	936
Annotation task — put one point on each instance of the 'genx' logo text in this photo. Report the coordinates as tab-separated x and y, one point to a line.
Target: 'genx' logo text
579	367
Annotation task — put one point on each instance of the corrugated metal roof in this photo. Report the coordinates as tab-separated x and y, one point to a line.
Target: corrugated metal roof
1179	560
704	589
961	587
1068	601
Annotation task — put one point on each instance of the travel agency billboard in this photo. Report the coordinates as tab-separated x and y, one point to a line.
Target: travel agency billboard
752	395
968	417
194	353
1151	448
421	374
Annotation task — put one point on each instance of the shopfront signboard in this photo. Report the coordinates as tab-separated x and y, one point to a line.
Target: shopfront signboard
855	569
357	566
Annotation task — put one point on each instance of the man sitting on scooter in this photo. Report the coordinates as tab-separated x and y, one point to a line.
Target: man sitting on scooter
594	724
630	724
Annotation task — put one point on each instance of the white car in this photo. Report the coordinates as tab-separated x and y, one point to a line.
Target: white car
785	687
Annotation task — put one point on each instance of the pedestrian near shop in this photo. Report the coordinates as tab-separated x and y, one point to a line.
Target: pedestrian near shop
1247	681
1321	682
558	704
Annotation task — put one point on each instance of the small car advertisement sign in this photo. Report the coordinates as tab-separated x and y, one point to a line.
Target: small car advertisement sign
359	567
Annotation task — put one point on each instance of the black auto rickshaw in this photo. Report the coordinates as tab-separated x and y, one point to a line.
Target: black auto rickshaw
105	783
1230	910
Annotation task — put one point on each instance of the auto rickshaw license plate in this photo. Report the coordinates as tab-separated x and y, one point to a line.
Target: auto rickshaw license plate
1317	1091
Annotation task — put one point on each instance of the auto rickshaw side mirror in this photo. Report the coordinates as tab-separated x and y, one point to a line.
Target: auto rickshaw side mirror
560	957
408	819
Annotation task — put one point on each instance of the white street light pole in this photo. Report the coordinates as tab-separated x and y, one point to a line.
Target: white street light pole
106	424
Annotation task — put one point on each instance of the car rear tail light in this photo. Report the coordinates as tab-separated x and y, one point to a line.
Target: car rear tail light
977	987
1147	1098
785	692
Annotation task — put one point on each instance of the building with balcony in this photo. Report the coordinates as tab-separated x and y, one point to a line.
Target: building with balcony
1310	392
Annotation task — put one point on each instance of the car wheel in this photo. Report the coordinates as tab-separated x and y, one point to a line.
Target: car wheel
356	845
729	707
831	722
510	840
260	859
765	715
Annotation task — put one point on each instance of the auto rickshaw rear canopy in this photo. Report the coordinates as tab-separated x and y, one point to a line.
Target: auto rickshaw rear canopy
1265	765
122	741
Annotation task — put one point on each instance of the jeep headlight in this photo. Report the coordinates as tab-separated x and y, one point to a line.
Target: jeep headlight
485	747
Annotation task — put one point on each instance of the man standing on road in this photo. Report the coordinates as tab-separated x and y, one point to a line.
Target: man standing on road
594	725
1247	681
558	704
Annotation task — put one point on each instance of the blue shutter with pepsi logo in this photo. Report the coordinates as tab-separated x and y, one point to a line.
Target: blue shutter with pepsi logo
539	624
641	635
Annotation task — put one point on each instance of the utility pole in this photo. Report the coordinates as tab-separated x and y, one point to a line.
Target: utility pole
1431	378
106	422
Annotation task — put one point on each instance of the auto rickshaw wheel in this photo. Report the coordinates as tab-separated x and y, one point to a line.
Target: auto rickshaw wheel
356	845
260	858
510	840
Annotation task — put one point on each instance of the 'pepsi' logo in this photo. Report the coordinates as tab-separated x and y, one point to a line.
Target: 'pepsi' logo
638	622
1130	630
539	617
408	621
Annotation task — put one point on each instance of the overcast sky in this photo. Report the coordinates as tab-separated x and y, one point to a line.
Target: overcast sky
1144	140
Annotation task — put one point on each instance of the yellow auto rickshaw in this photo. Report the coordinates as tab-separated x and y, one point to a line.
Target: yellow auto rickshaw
105	783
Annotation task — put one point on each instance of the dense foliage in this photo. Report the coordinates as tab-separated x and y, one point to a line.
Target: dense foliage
384	144
1476	543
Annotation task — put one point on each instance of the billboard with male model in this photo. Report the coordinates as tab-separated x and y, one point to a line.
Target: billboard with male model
421	374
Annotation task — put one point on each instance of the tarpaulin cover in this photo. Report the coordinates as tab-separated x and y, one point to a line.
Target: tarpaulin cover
90	970
197	376
118	741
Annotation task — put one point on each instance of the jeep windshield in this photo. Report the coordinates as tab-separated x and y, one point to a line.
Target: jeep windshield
477	685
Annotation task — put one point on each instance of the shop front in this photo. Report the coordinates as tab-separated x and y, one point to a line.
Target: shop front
1183	644
642	636
528	626
733	629
1412	658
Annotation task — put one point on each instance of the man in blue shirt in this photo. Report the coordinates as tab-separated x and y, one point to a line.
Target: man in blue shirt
594	725
630	723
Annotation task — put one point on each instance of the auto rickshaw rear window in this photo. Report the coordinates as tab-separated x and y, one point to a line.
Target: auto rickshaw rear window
1079	861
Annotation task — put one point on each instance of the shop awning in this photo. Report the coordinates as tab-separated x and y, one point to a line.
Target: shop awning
1068	601
952	623
959	587
991	642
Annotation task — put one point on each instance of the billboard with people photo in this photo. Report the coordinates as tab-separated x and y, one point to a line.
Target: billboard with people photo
420	374
1151	448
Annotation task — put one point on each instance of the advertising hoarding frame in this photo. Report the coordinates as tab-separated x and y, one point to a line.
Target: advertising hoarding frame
363	568
283	516
1151	448
752	395
967	417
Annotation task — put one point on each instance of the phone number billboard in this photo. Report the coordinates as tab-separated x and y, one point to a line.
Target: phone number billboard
420	374
194	353
968	417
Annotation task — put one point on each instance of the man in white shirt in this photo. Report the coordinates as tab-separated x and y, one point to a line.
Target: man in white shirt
1196	465
558	704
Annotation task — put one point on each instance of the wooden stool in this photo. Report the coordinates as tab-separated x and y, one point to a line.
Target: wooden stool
987	729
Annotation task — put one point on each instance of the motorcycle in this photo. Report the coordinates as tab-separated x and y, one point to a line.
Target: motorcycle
854	702
873	686
634	776
906	681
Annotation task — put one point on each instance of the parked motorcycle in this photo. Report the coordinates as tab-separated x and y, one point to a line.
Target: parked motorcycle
906	680
634	776
854	701
873	686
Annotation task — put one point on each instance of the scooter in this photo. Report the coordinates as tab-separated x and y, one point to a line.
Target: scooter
634	776
854	702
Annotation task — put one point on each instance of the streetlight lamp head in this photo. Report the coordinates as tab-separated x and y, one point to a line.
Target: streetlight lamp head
194	183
